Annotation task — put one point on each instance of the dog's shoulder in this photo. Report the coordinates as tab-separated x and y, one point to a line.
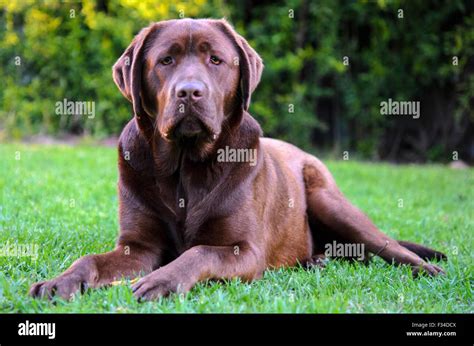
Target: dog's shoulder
134	149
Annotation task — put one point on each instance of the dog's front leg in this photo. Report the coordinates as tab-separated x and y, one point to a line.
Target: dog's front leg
200	263
139	249
95	271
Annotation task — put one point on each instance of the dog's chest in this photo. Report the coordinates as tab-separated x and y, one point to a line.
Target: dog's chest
185	208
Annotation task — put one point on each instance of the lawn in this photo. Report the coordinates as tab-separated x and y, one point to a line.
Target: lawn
63	200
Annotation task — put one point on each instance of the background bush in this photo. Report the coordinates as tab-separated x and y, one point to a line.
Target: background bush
55	50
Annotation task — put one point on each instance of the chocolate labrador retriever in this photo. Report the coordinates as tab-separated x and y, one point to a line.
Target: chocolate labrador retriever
193	205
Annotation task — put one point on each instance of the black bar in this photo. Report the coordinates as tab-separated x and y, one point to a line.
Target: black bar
159	329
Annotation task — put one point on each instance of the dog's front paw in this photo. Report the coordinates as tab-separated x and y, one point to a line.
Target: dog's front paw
64	286
159	284
427	268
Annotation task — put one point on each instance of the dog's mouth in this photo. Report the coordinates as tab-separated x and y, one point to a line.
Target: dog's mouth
190	129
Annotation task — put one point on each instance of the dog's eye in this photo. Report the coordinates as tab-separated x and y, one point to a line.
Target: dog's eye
215	60
166	61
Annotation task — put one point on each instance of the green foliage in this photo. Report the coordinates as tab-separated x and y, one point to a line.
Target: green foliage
303	44
64	199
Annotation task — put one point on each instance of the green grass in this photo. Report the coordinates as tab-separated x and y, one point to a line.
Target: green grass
64	199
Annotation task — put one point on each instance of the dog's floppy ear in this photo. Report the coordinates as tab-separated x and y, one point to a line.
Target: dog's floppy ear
250	63
127	74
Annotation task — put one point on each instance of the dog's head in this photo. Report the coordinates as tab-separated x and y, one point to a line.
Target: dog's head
188	80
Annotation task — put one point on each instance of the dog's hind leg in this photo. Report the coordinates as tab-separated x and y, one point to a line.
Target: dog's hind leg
327	205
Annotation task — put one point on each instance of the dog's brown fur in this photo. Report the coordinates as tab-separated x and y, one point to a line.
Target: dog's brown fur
186	217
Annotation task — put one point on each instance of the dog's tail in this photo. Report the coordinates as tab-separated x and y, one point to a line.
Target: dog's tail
423	251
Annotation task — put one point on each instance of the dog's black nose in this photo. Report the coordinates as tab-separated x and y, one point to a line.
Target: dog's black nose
193	90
